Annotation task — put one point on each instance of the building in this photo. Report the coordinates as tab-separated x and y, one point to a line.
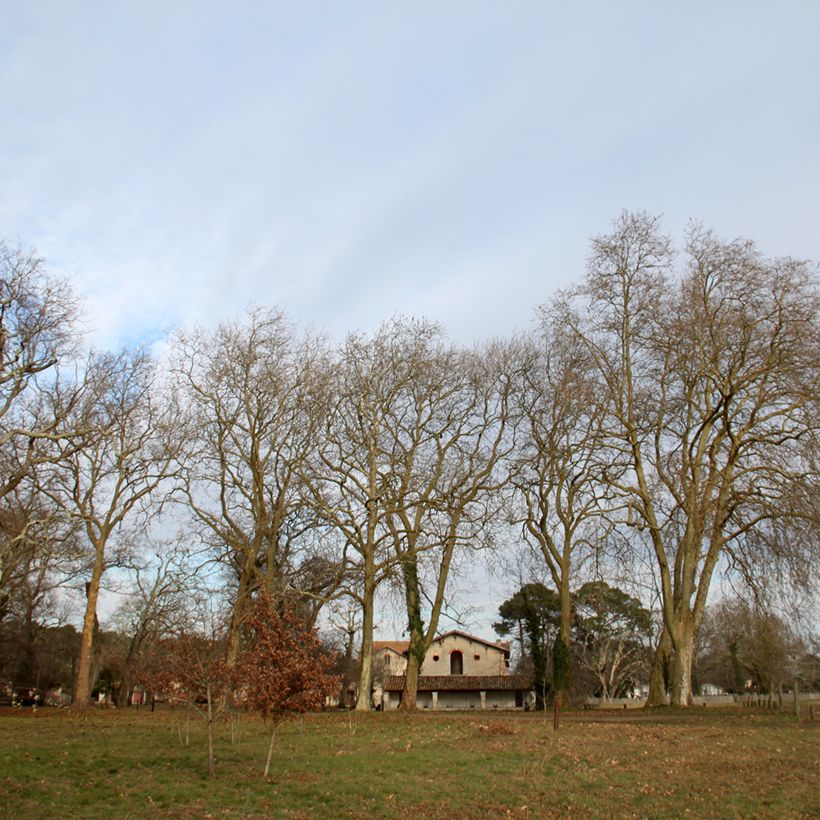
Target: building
460	671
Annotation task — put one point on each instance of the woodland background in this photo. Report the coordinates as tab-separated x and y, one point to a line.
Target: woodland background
643	464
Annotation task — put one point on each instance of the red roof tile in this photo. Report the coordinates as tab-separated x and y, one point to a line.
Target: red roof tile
397	646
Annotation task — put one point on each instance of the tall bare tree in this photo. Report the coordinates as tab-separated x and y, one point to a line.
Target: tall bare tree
123	458
559	462
711	383
414	432
248	428
37	333
349	474
39	546
744	641
451	434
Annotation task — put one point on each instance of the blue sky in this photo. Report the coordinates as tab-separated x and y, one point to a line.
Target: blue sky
347	161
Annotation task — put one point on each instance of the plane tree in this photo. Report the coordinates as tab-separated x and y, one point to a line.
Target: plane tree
450	434
415	431
162	581
105	476
349	473
37	333
710	384
38	340
249	424
558	466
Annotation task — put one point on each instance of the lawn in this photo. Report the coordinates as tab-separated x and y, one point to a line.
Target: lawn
129	763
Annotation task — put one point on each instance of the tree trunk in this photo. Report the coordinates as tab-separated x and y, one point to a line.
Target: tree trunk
238	613
657	676
211	766
561	672
366	672
737	669
270	751
411	685
418	644
681	671
566	608
83	683
123	696
560	667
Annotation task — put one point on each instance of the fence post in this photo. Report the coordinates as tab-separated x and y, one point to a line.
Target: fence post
796	691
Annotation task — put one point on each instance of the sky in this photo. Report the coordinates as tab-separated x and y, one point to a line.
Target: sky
346	162
180	161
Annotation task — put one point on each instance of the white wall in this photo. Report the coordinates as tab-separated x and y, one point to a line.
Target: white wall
478	658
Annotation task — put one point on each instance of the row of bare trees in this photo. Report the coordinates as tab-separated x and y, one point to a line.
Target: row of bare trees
660	417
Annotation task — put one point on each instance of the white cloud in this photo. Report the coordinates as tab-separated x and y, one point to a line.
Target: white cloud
180	162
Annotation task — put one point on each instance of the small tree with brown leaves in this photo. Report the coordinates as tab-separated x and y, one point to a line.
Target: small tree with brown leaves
190	670
283	671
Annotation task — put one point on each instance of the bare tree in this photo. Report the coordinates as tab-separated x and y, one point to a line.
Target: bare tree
749	642
122	460
42	552
248	428
162	581
711	382
414	433
450	436
559	464
37	331
189	668
39	546
346	624
348	475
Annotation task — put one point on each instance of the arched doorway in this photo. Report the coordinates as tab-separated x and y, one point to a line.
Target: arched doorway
456	663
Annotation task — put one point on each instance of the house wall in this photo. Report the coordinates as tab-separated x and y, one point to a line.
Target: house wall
478	658
389	662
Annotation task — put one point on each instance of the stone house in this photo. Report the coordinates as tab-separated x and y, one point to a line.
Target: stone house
460	671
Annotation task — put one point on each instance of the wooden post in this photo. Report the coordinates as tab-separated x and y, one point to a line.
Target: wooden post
796	692
556	713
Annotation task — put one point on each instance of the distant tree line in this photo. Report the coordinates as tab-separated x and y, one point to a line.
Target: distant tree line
659	421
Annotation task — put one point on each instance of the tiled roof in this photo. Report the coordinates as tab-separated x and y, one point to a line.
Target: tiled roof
397	646
462	683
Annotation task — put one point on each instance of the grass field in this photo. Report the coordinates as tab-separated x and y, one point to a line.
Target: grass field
700	763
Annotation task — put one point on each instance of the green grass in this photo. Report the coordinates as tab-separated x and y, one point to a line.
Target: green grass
131	764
